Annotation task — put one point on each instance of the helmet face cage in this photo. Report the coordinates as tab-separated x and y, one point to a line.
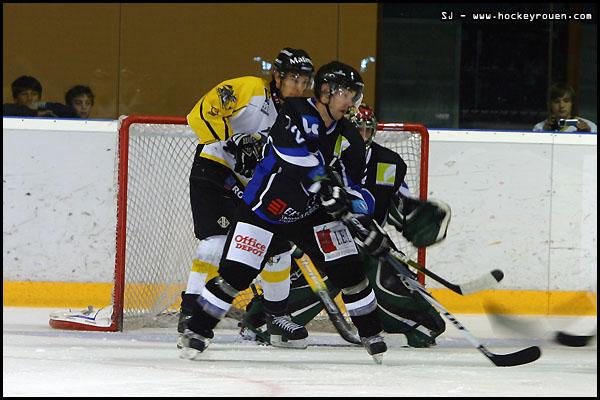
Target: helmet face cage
363	117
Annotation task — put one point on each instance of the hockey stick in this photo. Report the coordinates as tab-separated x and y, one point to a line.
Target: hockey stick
520	357
486	281
317	285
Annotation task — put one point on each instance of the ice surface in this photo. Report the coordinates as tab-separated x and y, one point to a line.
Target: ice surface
41	361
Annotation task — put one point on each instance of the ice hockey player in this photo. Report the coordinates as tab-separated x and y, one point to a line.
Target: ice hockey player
290	199
232	121
399	311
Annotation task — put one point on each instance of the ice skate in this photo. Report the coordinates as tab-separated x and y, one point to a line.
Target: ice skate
248	331
192	344
185	313
375	347
286	333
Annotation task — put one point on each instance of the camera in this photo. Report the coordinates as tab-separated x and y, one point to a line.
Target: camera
567	122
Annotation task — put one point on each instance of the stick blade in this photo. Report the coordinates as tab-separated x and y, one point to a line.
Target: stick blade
344	329
572	340
521	357
485	282
337	319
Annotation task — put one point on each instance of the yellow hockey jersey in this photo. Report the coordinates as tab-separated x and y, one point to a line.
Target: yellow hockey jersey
239	105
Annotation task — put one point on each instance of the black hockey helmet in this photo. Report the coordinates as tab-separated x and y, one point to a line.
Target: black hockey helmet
294	61
339	76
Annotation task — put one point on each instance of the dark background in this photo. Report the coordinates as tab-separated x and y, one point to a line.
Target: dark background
481	75
160	58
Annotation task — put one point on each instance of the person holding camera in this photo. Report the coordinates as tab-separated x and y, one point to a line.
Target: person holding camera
562	112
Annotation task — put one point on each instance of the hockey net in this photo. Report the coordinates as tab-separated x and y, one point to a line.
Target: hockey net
155	240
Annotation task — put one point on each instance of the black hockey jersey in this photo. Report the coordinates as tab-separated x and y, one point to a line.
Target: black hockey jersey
298	148
385	176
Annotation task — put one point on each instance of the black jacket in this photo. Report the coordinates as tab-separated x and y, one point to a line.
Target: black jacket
58	109
385	173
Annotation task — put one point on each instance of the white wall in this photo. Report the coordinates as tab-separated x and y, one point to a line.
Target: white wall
524	203
58	200
521	202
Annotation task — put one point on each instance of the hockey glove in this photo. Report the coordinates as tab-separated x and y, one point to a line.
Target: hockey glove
423	223
377	242
368	235
334	199
247	149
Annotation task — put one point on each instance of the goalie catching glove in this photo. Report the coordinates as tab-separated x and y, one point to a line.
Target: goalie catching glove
422	223
247	149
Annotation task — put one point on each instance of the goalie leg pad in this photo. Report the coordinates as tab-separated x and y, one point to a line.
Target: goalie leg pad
253	319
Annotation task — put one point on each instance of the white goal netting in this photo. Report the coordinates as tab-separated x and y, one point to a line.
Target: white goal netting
155	231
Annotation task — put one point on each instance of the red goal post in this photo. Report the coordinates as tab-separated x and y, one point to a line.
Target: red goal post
155	239
411	141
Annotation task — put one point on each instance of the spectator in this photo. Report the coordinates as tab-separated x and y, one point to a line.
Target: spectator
27	93
562	114
81	99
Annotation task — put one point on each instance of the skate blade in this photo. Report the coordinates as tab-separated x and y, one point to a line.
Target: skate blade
180	343
276	341
378	358
188	353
